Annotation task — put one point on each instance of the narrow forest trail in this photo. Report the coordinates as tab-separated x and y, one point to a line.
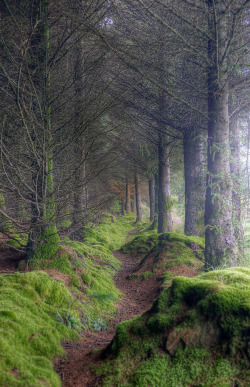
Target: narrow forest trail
75	370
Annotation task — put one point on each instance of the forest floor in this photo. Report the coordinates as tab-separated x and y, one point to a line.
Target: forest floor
82	357
77	367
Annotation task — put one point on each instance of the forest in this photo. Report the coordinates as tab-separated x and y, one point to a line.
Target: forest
125	193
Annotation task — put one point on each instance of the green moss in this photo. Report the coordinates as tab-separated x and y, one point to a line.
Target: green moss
189	367
218	300
111	232
159	323
86	278
18	240
162	302
122	336
8	314
142	244
75	281
147	275
48	244
30	334
171	236
59	261
36	311
168	204
167	278
89	253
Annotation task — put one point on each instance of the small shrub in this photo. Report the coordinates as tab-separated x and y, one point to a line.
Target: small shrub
70	320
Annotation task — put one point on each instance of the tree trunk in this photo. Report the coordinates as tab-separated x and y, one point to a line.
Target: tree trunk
220	244
151	189
79	200
79	192
165	223
127	205
236	178
4	221
132	203
138	199
122	204
43	236
193	145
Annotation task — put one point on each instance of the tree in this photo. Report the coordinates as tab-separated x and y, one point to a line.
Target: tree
216	34
194	170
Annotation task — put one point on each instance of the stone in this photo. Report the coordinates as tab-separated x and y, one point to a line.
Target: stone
206	335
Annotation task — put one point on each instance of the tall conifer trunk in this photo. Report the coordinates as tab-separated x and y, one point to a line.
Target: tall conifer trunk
220	243
193	145
138	198
151	189
165	223
236	178
42	236
79	194
128	204
122	204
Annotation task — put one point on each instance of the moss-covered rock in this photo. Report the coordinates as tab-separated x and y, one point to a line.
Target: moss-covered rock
196	333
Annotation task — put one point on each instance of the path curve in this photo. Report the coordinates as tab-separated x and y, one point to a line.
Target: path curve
138	297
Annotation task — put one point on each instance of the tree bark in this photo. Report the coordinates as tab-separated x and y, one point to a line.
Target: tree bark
151	189
220	243
128	204
43	232
122	204
194	162
79	193
236	178
165	223
138	198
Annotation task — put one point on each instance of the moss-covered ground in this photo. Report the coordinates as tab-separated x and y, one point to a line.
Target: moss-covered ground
69	289
30	332
167	253
196	334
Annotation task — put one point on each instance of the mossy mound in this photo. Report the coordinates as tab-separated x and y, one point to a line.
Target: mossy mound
30	332
147	241
196	333
141	244
175	253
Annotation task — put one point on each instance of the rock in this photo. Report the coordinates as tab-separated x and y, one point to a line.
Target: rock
173	341
206	335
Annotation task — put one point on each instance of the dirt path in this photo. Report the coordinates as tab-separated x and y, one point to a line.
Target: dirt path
75	369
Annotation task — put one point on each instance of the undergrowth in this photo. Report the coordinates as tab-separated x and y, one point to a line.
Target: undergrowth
196	333
30	333
166	252
76	292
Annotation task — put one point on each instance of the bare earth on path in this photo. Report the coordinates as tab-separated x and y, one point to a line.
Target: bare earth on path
138	297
